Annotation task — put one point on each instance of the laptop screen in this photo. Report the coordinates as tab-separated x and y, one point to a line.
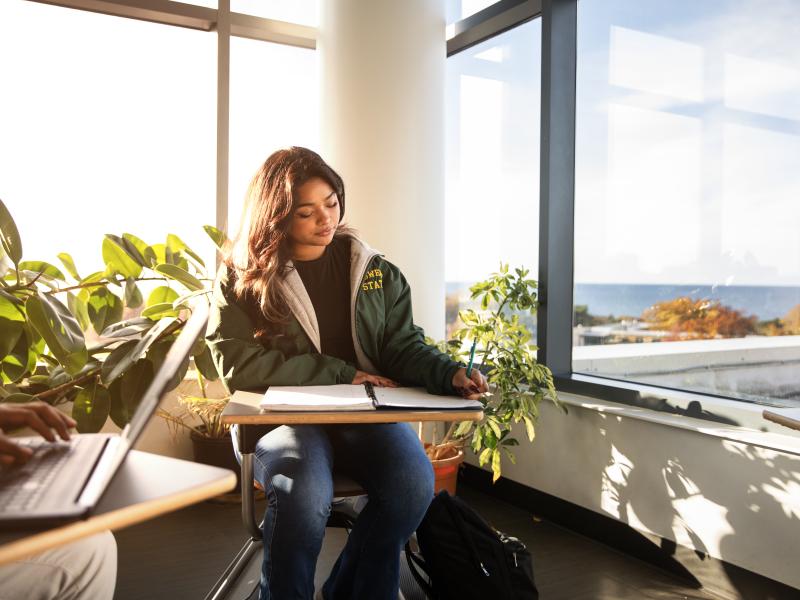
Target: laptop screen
175	361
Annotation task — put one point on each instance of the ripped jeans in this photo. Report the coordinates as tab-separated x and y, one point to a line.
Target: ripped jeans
294	464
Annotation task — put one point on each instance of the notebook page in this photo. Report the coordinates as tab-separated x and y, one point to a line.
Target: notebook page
316	398
419	398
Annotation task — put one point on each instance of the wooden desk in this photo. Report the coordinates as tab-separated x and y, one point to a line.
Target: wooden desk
147	485
243	409
788	417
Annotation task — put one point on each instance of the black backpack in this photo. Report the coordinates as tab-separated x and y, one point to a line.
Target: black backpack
463	557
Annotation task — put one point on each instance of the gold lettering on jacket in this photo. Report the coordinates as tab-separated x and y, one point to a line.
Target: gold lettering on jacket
373	280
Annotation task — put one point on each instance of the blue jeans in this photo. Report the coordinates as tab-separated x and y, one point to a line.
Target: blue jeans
294	464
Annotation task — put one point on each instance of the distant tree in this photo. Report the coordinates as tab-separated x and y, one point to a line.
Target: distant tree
772	327
687	318
451	307
791	321
582	316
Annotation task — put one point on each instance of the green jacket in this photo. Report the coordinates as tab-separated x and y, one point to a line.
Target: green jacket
385	338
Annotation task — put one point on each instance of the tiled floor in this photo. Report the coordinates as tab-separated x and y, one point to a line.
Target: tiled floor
182	554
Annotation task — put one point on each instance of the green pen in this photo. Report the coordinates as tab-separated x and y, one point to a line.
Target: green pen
471	357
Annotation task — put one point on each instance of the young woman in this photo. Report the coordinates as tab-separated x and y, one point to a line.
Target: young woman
302	301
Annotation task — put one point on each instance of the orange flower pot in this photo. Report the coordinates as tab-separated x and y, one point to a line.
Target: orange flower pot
445	470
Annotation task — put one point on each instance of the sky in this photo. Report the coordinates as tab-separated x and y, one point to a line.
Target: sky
688	136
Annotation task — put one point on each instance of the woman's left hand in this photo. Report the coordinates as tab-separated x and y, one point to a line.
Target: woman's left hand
470	387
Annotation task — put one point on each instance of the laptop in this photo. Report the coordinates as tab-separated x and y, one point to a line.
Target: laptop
64	481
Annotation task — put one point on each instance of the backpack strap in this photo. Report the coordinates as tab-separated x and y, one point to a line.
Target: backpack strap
417	567
459	523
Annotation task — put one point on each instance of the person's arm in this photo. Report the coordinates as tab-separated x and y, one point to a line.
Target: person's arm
39	416
405	357
244	363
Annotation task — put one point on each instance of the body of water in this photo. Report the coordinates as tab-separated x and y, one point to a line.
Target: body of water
628	299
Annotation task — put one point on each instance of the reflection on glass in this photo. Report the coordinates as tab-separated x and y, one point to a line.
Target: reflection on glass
102	133
687	186
492	158
273	104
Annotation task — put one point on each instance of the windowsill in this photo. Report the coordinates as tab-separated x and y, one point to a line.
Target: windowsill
757	431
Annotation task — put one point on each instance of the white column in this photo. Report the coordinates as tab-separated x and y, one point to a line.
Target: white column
382	127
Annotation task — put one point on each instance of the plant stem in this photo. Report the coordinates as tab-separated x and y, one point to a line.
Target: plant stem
56	391
103	283
200	381
497	313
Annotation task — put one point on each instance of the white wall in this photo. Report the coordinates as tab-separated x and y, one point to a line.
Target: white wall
382	74
733	493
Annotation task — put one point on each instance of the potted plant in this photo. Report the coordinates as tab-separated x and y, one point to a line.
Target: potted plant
63	337
201	416
500	328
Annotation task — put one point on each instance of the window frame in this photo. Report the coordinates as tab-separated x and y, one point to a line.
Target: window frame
557	209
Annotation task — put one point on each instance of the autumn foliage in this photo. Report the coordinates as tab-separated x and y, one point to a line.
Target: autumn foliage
687	318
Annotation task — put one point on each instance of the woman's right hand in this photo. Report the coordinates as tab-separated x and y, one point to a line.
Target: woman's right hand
380	381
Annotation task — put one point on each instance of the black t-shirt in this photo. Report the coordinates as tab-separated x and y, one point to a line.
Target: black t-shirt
327	281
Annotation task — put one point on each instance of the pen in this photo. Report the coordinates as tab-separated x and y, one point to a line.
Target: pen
471	357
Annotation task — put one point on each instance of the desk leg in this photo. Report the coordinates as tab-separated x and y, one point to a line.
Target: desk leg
228	578
248	500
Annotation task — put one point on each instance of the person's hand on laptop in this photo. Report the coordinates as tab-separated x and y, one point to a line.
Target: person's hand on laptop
39	416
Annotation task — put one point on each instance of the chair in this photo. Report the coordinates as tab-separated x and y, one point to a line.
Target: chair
342	514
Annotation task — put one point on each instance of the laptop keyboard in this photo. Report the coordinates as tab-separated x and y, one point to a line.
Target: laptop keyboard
24	487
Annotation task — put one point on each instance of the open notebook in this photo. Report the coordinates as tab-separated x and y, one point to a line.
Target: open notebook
359	397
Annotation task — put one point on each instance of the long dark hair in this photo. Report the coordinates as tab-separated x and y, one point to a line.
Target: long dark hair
259	252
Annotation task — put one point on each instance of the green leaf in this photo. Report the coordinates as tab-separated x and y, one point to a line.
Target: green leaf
462	429
118	260
12	324
133	295
162	295
132	248
127	391
127	328
60	330
136	243
95	277
496	470
114	357
104	308
176	245
21	360
9	235
158	311
495	427
45	268
139	349
529	427
157	353
181	275
91	408
217	236
69	265
484	456
204	363
155	254
79	308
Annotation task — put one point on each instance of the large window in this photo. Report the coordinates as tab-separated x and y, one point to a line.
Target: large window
274	103
102	133
492	158
687	253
